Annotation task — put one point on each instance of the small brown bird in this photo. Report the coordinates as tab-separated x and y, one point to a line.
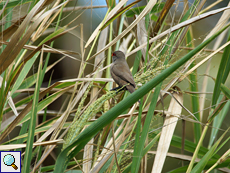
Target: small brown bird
120	72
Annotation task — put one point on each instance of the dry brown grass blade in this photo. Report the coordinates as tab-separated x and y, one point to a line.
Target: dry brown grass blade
16	146
8	33
12	105
9	99
167	132
98	60
47	21
88	80
31	90
48	50
162	16
178	26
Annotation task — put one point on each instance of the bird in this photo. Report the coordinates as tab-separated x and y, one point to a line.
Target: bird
120	72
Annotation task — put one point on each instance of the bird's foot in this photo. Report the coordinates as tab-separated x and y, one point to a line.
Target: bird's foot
118	89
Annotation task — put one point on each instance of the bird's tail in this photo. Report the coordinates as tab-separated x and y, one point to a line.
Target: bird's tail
130	88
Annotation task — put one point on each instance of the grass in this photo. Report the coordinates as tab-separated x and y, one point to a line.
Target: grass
98	130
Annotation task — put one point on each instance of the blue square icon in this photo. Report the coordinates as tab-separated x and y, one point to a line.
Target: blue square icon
10	161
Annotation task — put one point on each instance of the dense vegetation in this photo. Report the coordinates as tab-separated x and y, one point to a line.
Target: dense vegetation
98	130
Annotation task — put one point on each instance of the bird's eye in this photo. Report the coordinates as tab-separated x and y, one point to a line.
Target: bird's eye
113	54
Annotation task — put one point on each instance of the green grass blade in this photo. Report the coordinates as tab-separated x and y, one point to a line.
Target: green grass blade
225	90
138	134
24	72
222	73
30	139
217	122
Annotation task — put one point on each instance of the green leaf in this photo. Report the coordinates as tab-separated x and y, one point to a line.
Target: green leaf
24	72
225	90
217	122
54	34
154	17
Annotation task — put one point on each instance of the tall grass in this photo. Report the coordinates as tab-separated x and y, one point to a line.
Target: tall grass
98	130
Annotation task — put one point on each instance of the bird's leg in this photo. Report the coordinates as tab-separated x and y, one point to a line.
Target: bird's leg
118	89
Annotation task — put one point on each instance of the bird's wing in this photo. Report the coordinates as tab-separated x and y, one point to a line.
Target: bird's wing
120	71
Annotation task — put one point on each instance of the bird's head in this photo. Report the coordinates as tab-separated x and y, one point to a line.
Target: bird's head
118	55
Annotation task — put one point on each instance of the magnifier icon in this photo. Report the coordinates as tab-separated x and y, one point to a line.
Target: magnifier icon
9	160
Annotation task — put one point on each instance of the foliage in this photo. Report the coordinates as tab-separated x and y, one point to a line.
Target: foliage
98	130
